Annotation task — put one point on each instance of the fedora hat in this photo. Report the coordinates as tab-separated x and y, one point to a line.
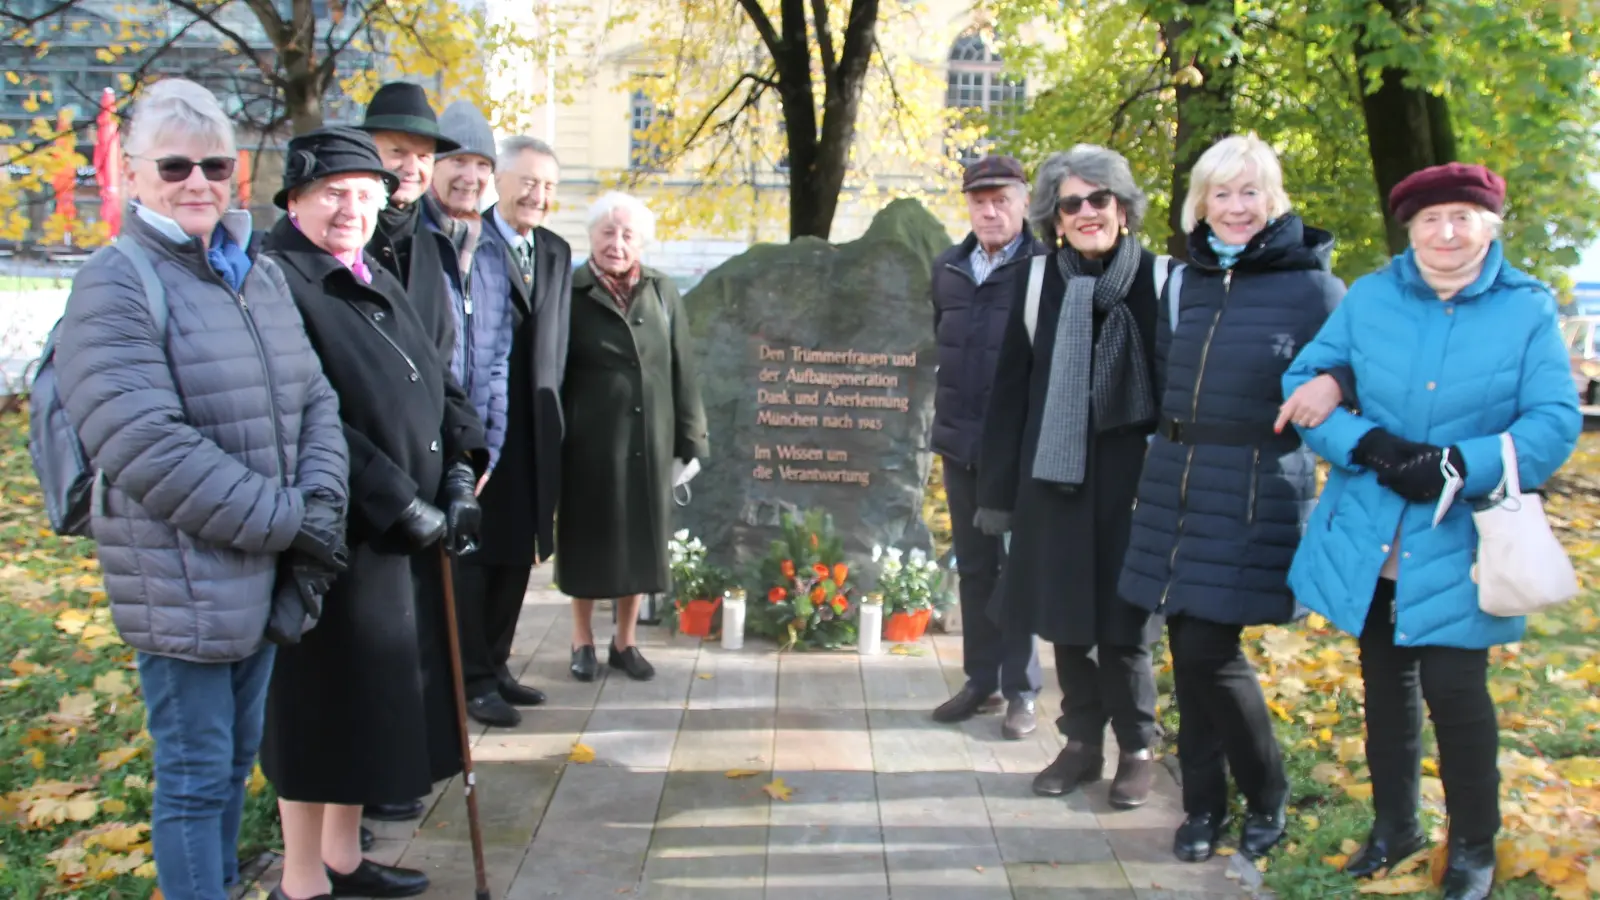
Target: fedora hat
329	151
402	106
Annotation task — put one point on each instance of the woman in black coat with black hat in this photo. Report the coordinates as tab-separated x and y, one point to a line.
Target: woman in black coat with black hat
346	724
1062	446
1225	493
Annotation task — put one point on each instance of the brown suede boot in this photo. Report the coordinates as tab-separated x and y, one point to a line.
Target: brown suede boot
1077	764
1136	774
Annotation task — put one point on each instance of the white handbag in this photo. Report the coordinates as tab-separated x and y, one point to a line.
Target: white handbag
1522	567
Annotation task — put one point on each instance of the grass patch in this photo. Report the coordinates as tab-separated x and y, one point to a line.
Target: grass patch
75	770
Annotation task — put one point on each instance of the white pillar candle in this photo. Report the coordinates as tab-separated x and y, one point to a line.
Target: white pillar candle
733	620
869	634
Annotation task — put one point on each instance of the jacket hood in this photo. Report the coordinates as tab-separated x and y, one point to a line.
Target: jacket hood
1287	244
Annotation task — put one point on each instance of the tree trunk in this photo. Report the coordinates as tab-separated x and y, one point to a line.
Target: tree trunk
1407	128
1204	115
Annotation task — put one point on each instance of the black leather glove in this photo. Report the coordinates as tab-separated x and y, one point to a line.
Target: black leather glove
321	535
1380	450
311	575
1421	480
421	523
993	522
463	516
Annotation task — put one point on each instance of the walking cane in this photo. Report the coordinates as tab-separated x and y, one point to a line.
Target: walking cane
458	682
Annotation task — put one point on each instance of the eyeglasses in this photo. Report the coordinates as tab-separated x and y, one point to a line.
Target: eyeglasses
1070	204
177	168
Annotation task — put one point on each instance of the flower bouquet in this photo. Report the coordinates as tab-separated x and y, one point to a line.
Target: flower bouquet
697	587
911	586
805	598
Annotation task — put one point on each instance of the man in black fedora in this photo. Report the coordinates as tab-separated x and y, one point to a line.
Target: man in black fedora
406	130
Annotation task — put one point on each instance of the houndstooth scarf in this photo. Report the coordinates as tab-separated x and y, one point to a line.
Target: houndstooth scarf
1110	371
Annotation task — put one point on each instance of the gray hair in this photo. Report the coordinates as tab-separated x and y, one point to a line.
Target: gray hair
644	221
174	109
520	143
1103	168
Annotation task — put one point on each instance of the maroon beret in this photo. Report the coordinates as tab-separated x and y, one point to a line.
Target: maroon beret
1449	183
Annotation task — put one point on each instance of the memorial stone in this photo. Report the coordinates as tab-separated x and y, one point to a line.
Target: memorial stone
816	366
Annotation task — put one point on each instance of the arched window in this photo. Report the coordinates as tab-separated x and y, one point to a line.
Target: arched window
978	84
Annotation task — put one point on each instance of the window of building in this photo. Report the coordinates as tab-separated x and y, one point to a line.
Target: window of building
979	86
647	119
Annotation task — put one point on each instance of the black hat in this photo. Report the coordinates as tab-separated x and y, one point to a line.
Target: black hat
332	150
402	106
993	171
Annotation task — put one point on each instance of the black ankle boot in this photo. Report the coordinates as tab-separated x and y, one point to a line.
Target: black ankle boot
1470	874
1385	847
1262	830
1198	837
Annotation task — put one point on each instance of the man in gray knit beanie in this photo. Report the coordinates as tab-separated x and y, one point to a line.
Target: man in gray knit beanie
462	175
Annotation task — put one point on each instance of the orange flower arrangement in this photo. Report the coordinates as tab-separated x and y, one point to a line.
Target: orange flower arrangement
841	572
777	595
787	568
822	570
840	603
818	594
807	585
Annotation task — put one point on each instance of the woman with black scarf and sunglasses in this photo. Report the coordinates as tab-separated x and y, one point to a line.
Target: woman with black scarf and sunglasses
1063	446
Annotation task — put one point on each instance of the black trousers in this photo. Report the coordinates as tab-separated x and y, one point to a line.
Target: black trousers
1119	686
1223	717
488	602
994	658
1455	683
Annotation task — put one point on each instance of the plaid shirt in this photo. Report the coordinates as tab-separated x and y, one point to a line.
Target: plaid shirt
983	263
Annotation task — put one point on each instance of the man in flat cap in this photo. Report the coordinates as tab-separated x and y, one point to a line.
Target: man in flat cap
973	286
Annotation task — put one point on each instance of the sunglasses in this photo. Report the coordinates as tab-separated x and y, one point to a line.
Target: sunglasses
177	168
1070	204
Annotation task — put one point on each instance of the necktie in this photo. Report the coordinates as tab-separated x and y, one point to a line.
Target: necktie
525	257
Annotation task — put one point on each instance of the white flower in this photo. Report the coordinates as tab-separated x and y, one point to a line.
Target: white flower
681	535
892	566
918	557
895	554
932	566
877	552
696	545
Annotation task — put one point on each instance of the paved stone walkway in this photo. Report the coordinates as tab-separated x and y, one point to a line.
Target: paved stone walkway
886	802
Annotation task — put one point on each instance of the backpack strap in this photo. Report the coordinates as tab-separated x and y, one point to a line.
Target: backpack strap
155	294
1162	269
1030	303
1174	294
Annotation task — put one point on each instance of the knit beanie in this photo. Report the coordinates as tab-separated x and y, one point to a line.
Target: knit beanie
463	123
1449	183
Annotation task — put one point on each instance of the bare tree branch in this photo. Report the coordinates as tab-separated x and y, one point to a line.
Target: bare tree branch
819	16
763	23
759	85
241	46
23	21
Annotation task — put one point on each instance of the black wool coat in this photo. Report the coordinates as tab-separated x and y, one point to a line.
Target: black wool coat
1218	524
346	717
969	324
632	405
519	502
1066	543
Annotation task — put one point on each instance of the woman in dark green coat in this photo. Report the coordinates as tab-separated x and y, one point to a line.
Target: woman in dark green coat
635	427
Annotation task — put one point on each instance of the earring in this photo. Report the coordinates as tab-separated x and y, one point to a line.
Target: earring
1124	230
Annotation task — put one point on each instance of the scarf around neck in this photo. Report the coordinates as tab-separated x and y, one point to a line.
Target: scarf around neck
620	287
397	221
1448	284
1110	371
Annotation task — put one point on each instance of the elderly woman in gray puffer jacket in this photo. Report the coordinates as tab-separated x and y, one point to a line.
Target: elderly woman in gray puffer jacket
222	463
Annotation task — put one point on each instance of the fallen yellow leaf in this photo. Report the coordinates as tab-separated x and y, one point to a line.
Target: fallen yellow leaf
36	758
1359	792
1349	846
113	684
1336	861
777	790
116	759
1310	822
257	781
744	773
1582	771
1405	884
581	754
704	676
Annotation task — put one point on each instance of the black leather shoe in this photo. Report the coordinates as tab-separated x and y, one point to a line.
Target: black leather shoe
967	703
632	662
1020	721
584	666
1197	838
393	812
367	839
372	880
1076	764
278	894
1261	832
516	693
1470	874
1136	776
1383	852
492	710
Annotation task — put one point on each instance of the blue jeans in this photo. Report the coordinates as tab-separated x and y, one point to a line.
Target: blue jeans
206	721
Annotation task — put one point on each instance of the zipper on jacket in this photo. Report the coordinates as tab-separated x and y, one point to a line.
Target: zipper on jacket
1205	351
1255	479
272	389
416	374
1177	537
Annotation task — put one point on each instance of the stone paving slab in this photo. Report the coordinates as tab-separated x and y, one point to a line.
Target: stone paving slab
885	803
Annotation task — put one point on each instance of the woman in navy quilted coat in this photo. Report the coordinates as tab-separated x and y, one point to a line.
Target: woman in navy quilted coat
1451	347
1224	494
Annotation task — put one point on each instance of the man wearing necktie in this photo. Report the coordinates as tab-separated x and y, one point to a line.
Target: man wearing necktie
519	498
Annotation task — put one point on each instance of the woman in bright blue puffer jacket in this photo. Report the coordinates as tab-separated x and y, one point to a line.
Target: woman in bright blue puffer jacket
1450	346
